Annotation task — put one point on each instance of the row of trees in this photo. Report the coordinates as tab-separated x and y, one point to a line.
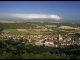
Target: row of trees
58	24
15	25
30	24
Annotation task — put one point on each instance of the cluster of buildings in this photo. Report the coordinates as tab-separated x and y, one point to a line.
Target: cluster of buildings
44	40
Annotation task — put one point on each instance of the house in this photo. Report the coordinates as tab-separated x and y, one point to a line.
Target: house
68	43
41	40
56	46
60	37
45	29
51	25
79	38
78	42
49	43
38	43
66	38
63	43
50	30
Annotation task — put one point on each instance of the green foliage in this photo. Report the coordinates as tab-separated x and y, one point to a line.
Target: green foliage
16	25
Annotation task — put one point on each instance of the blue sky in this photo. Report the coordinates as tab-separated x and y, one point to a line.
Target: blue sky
59	10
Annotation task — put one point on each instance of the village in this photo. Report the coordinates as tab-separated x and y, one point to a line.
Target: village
44	40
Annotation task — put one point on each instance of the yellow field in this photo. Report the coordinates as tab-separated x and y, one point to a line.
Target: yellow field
66	27
4	21
6	31
77	28
22	30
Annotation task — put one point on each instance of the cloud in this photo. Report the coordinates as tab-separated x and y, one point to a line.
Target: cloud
30	16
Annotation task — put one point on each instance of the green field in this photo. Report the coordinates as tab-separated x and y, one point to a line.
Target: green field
14	31
29	31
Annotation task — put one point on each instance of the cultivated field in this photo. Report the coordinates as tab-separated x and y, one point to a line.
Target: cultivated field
6	31
77	28
14	31
23	30
37	30
4	21
66	27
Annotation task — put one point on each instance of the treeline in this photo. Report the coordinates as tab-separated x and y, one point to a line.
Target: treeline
1	30
58	24
16	25
30	25
9	51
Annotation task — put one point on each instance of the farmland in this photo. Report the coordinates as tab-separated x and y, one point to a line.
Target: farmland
12	31
24	31
35	27
16	31
4	21
66	27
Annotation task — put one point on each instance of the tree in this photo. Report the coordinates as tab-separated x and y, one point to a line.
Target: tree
38	56
4	55
10	56
78	57
63	56
32	56
25	55
72	56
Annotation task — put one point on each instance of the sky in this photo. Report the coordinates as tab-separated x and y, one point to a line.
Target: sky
57	10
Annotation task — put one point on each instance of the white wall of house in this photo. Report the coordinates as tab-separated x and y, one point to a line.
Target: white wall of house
49	44
68	44
39	43
56	45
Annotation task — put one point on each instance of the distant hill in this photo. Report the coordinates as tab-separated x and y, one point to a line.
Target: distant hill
9	21
40	20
